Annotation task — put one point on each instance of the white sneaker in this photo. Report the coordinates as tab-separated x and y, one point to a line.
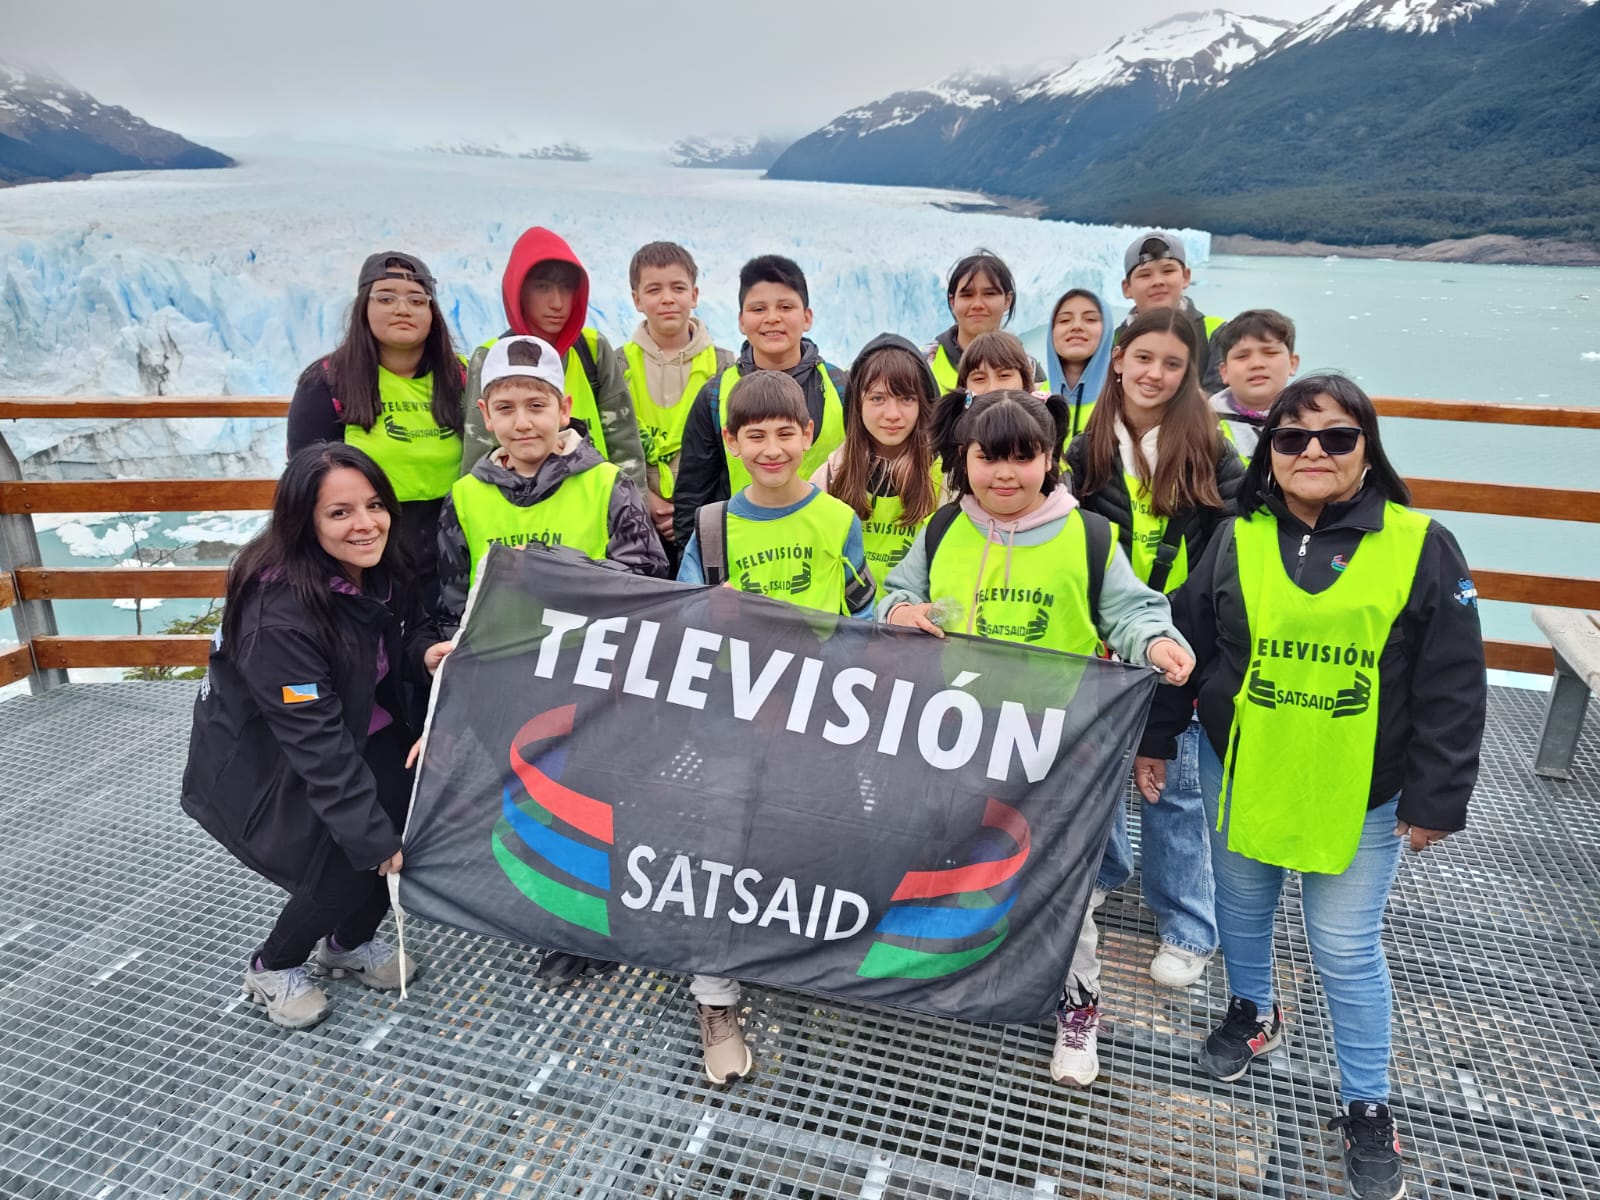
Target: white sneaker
1076	1061
1175	967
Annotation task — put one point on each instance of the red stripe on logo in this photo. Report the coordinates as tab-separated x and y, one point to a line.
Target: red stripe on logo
925	885
583	813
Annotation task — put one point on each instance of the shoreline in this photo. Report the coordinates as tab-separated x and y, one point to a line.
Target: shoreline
1486	248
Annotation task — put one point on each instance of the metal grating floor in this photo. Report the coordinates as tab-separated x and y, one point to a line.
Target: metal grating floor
128	1067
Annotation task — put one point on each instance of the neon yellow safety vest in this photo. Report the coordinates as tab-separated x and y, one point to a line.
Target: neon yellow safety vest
1149	527
576	515
1039	597
886	539
944	371
827	439
661	426
420	457
798	558
1305	721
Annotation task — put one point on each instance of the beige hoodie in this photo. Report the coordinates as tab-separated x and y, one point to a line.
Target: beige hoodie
667	374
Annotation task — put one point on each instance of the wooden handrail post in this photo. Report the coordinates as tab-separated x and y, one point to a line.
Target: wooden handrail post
19	547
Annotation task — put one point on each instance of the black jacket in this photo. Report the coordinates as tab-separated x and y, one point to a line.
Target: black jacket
702	470
1433	688
279	779
1114	504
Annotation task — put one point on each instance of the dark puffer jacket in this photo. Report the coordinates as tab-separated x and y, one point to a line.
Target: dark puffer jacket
1114	504
275	769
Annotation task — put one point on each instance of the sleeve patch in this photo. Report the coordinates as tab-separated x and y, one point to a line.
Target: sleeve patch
299	693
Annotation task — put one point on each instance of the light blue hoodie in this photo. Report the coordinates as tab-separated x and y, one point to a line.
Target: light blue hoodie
1080	399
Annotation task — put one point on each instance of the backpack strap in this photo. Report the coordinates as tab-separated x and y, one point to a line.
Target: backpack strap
1098	546
327	377
591	369
939	525
1173	536
711	531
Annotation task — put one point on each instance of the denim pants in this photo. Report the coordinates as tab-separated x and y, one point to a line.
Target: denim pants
1177	853
1344	925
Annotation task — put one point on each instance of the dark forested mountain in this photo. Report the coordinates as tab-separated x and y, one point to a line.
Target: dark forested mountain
51	130
1377	120
986	133
1488	123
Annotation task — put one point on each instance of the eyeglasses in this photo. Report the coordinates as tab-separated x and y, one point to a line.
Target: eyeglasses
415	302
1341	439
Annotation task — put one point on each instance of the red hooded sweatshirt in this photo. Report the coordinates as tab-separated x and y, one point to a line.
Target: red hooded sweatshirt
535	246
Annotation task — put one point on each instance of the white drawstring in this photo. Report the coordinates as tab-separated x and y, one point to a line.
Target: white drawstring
393	878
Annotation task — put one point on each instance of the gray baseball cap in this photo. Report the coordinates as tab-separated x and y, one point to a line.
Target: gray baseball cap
1148	247
392	264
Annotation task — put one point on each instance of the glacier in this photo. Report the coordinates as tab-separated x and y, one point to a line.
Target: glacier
229	282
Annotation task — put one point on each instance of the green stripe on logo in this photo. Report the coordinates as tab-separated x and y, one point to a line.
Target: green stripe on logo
884	961
559	900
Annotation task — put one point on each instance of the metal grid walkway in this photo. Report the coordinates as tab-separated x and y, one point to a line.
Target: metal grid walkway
128	1067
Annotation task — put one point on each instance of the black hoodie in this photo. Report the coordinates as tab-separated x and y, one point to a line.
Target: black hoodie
702	469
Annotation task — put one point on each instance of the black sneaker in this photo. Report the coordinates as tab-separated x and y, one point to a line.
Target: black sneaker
1241	1038
1371	1151
557	968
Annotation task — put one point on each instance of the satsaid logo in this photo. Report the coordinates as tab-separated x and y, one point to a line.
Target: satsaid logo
555	830
939	921
943	921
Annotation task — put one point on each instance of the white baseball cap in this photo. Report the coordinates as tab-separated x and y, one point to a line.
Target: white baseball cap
525	356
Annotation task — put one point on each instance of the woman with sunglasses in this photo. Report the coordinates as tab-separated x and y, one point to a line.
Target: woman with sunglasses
1341	687
393	389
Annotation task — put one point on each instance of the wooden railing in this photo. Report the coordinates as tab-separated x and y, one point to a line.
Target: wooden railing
29	588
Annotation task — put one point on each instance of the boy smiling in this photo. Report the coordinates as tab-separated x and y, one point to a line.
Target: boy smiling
1155	274
774	316
543	482
783	537
668	360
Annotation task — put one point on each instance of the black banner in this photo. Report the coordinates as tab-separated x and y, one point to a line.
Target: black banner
697	779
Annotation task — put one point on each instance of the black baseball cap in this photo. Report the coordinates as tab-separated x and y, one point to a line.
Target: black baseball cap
1148	247
392	264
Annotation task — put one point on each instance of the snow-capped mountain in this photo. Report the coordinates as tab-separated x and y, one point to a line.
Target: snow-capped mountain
52	130
1191	50
1393	16
742	152
995	134
952	101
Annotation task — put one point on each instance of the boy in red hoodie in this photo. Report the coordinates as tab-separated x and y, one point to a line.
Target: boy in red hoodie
546	294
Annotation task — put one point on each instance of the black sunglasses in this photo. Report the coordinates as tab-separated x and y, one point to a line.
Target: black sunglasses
1341	439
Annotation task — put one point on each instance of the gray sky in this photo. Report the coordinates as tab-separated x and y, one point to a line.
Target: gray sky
604	72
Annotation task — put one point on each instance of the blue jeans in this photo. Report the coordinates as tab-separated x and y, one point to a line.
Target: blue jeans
1177	854
1344	924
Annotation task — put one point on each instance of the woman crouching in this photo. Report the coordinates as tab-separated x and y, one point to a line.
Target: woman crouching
297	756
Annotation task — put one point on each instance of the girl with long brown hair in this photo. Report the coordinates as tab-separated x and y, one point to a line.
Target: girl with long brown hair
1153	463
885	470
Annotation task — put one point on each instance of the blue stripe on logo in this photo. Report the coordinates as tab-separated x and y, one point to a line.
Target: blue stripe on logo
925	921
580	861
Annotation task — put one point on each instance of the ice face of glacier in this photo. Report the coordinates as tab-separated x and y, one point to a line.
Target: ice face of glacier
230	282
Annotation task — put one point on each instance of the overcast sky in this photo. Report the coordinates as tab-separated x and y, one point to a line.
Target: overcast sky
598	71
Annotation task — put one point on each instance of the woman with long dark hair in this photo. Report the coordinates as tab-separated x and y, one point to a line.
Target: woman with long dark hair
297	754
1341	688
393	388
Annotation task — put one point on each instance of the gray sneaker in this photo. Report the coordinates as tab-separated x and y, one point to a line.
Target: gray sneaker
291	999
374	963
